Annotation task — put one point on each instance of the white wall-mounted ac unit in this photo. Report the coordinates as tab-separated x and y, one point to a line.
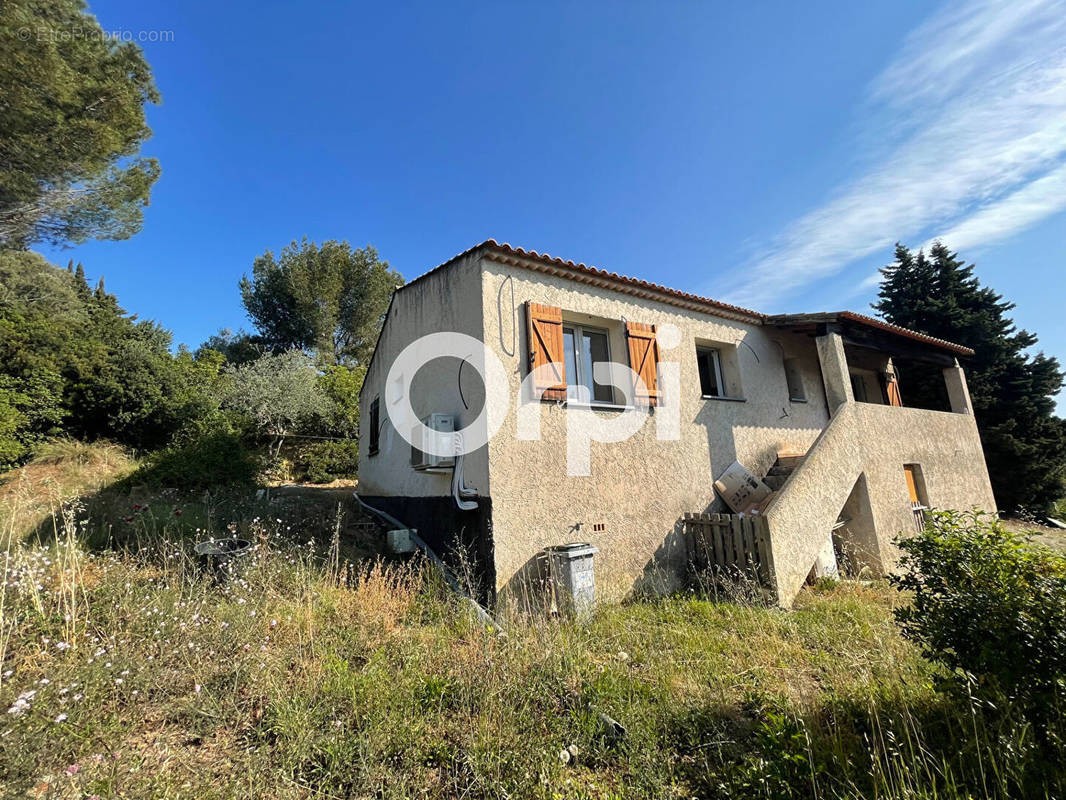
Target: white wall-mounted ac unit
441	428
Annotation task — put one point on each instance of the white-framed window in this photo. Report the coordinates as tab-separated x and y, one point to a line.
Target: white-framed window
583	348
797	393
709	362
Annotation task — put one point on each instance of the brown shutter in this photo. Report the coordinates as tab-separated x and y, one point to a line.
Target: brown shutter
544	330
892	390
643	360
912	484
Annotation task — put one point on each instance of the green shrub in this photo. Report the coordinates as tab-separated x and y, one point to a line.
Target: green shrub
989	606
209	461
322	462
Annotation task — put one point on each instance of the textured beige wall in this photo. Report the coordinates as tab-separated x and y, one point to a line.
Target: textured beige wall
875	441
447	300
641	487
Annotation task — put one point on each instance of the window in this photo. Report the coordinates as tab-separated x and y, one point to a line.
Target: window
709	361
858	386
375	426
583	348
916	491
794	376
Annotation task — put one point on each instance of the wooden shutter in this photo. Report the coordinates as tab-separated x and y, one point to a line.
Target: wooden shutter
643	360
544	331
892	390
912	484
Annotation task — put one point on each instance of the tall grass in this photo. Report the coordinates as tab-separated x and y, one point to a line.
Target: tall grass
125	670
131	673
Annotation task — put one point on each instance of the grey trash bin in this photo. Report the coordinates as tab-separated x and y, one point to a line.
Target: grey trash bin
573	578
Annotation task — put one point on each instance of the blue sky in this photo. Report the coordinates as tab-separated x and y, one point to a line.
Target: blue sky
768	154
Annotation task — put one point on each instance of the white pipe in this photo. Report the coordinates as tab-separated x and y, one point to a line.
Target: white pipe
465	497
480	611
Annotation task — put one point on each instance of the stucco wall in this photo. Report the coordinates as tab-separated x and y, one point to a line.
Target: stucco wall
447	300
631	503
638	489
874	441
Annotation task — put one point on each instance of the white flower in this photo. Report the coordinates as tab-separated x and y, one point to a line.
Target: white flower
61	718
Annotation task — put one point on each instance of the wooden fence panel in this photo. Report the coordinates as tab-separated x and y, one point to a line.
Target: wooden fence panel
730	545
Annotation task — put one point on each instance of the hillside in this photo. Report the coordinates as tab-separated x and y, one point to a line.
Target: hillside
127	673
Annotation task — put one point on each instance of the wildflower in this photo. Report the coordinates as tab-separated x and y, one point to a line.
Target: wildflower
177	512
63	718
22	703
196	688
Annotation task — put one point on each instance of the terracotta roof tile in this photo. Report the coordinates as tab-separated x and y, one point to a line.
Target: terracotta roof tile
532	257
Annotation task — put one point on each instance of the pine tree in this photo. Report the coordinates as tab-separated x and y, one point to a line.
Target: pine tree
1013	392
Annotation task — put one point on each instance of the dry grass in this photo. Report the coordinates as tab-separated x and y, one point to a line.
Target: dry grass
129	673
62	469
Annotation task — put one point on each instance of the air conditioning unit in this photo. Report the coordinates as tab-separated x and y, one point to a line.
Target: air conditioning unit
441	428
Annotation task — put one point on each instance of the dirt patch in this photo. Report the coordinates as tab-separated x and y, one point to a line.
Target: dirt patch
1055	538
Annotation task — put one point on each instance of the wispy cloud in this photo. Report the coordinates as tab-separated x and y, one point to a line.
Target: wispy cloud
975	108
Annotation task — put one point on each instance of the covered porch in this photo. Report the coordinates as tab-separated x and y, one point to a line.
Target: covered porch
868	360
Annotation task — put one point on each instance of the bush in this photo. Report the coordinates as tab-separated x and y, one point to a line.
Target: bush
326	461
210	461
989	606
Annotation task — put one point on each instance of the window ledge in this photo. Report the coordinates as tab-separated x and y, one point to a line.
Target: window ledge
722	397
797	399
597	406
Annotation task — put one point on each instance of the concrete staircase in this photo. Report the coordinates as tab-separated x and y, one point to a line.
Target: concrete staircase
786	464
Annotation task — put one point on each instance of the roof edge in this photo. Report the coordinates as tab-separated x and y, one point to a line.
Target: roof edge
871	322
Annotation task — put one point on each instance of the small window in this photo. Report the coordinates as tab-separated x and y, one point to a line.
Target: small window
916	492
583	349
375	426
794	376
709	361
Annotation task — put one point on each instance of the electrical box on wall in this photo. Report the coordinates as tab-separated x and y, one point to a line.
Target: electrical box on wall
441	429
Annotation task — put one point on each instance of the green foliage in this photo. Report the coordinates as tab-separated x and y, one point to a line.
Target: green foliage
988	604
278	392
325	461
235	347
72	124
30	411
330	299
212	460
1013	392
341	386
72	361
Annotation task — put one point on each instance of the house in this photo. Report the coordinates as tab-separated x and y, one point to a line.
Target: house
556	451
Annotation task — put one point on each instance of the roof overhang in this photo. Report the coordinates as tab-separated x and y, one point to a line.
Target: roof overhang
858	329
863	331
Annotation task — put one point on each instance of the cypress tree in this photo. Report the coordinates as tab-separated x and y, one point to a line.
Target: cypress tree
1013	392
